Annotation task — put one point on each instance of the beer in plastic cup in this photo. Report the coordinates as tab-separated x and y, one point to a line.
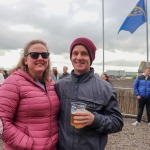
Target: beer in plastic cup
76	106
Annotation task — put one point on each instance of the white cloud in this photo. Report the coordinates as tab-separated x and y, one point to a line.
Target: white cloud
10	59
24	28
60	22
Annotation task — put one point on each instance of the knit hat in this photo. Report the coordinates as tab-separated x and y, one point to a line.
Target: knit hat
91	48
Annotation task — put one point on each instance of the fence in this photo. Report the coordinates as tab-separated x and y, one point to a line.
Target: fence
128	102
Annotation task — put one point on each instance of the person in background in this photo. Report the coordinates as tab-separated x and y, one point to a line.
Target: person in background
142	92
102	115
5	74
29	105
65	73
96	74
105	77
1	77
55	75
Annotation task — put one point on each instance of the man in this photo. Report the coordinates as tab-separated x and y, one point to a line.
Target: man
102	115
65	73
142	92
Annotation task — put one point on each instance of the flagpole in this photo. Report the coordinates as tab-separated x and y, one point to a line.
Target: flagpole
147	33
103	34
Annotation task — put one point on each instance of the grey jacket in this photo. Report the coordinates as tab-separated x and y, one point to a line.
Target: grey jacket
101	101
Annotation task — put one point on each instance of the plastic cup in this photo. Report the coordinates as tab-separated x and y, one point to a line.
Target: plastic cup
76	107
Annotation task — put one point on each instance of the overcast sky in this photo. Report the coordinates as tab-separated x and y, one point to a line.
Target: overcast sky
59	22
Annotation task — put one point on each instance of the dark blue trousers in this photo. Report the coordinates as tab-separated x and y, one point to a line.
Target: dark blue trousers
141	104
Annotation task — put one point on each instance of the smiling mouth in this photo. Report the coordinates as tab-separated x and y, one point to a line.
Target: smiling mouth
79	63
40	64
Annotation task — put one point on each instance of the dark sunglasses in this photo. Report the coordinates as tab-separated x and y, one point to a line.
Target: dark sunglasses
35	55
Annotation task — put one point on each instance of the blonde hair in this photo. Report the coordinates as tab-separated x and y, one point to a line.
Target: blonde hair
24	67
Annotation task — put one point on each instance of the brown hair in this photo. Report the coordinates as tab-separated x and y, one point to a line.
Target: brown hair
107	77
21	64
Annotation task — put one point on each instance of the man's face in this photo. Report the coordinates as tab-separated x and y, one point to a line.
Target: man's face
80	59
65	69
147	72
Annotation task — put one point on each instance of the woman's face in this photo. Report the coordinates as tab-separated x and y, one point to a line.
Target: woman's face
36	63
104	77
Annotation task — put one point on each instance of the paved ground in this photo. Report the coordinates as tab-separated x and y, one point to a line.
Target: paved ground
131	137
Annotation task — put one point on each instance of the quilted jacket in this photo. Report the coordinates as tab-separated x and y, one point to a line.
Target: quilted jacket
28	114
142	86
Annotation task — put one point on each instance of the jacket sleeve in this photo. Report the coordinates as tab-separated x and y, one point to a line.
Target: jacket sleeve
111	120
136	84
9	100
57	89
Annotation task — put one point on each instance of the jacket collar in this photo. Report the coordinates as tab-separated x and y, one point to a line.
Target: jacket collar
83	77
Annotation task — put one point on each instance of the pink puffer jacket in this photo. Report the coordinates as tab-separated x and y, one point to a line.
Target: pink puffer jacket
28	114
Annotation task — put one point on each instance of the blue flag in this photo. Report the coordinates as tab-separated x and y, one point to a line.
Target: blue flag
135	19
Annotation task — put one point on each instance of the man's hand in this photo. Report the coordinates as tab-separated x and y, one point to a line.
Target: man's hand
138	97
83	117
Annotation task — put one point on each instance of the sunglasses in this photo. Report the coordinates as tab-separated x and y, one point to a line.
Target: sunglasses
35	55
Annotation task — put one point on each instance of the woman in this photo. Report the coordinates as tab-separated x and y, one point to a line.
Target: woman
105	77
28	103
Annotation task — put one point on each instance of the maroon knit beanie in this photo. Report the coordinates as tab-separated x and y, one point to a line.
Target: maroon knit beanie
87	43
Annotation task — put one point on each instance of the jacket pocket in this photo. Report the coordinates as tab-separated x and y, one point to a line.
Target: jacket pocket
93	105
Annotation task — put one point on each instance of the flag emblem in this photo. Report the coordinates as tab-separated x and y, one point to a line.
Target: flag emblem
135	19
137	11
